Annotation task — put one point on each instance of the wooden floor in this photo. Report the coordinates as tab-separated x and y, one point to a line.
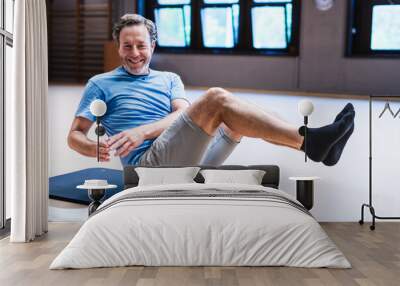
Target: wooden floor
374	255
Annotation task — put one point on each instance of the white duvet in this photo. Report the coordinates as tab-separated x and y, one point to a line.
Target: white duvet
207	230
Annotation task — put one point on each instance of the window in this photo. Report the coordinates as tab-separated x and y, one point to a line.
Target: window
6	43
9	13
374	28
385	28
172	18
225	26
272	24
220	23
6	60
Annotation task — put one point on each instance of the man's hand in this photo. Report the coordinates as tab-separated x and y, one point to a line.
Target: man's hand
104	151
126	141
78	140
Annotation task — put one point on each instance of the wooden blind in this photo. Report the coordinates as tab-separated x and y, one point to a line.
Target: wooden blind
77	32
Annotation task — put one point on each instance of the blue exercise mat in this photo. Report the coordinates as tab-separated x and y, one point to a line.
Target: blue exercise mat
63	187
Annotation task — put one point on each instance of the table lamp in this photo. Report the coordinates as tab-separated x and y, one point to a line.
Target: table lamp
305	108
324	5
98	108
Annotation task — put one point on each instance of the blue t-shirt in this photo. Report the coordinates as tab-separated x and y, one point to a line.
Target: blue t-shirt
132	100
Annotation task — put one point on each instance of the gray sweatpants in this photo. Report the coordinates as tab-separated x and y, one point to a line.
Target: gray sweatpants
186	144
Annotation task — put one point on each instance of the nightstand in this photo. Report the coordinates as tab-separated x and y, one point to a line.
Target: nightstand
305	190
96	191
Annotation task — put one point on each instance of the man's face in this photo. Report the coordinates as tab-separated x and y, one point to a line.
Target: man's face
135	49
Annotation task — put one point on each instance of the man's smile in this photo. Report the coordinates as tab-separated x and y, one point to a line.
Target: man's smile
135	62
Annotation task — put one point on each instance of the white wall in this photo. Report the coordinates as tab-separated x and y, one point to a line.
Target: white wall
63	103
342	188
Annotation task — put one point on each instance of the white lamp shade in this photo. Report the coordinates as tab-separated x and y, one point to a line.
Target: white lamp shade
305	107
98	107
324	5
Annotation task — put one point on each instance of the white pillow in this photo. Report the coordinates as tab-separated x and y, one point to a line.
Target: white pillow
164	176
248	177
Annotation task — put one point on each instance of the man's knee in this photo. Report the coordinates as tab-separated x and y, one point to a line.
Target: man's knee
207	111
216	91
217	97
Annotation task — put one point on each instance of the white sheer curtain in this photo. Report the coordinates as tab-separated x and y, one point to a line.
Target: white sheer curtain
26	124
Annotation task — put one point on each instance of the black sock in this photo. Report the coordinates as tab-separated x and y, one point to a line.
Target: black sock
320	140
335	152
345	109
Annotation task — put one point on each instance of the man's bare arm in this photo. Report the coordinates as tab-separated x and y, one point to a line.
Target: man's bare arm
78	140
154	129
128	140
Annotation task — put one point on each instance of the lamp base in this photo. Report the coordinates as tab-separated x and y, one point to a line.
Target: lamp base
96	195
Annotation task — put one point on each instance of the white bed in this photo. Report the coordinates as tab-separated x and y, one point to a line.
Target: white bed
203	225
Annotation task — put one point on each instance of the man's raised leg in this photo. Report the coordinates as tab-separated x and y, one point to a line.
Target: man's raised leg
219	106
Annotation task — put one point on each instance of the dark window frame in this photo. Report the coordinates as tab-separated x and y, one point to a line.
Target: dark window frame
359	27
244	47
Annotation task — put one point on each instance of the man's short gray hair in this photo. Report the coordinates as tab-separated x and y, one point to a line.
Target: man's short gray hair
132	20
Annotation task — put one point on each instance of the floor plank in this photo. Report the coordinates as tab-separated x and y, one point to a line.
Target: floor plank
374	255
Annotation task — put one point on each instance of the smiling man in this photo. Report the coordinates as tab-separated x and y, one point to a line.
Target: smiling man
150	122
